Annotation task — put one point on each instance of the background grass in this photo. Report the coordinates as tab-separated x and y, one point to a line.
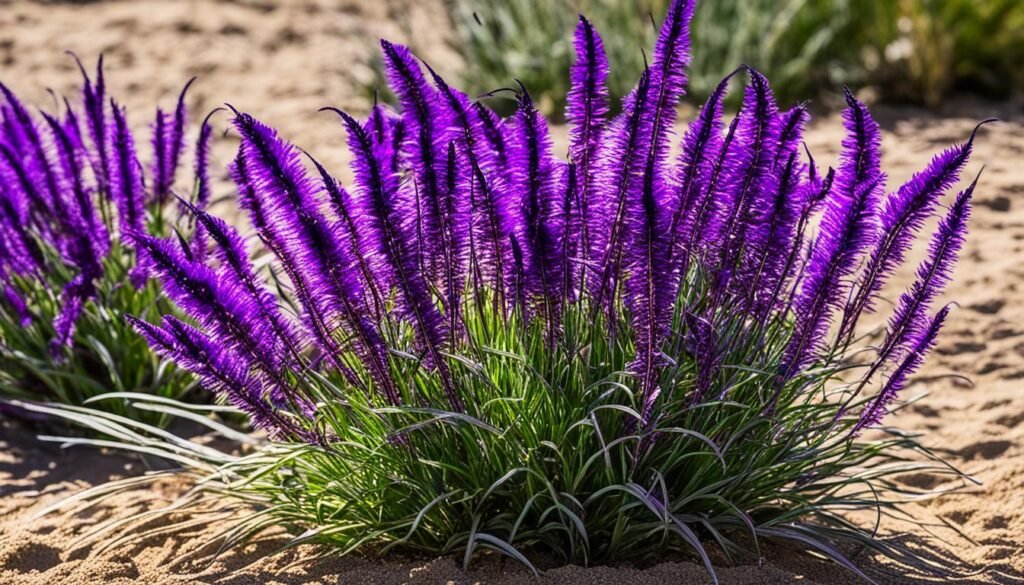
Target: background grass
921	51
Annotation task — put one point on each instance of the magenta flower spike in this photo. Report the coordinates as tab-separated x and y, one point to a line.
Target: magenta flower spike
586	110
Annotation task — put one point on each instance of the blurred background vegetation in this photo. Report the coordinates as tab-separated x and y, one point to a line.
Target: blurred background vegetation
918	51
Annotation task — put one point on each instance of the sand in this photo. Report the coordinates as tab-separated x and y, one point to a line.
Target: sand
284	60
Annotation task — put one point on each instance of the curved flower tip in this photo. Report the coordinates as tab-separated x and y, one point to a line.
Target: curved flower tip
984	122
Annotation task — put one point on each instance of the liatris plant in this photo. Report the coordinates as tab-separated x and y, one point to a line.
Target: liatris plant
483	346
71	190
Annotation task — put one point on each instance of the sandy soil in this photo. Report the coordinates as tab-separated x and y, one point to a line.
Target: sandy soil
282	60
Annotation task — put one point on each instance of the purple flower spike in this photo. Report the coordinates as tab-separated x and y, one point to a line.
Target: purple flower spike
387	234
21	253
570	225
64	324
17	304
220	369
668	73
218	304
25	200
923	342
357	239
230	252
777	219
254	205
286	200
847	229
791	124
903	216
477	205
586	111
493	248
201	168
587	101
495	131
94	101
805	204
653	106
470	148
702	343
517	275
651	286
168	144
202	164
428	135
367	211
777	222
158	339
539	227
862	153
387	130
618	167
30	151
470	127
125	176
747	186
911	315
702	144
457	222
176	133
161	182
82	218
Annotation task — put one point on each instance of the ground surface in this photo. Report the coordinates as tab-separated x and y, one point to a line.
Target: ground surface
282	62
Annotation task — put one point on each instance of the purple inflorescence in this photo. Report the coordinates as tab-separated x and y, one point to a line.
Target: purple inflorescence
735	249
68	183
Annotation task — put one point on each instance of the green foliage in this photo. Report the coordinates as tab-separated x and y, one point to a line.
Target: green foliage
532	41
803	46
947	45
106	354
918	50
799	44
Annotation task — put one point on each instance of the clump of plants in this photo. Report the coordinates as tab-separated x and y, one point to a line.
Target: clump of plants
71	189
937	47
804	46
527	40
912	50
480	345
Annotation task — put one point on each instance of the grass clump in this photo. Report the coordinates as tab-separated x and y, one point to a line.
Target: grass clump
529	41
920	51
804	46
937	47
71	188
481	346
